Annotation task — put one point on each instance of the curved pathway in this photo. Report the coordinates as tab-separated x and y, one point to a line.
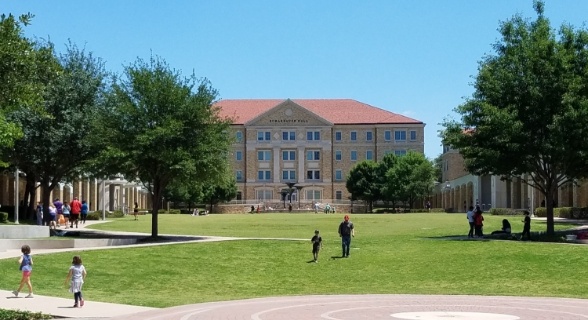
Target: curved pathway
373	307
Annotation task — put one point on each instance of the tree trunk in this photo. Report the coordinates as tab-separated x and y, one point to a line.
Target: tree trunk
156	200
46	197
30	191
549	209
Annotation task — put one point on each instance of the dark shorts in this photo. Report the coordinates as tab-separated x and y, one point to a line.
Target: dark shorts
74	216
316	249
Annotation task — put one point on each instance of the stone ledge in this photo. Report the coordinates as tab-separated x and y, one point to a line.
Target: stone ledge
16	244
23	231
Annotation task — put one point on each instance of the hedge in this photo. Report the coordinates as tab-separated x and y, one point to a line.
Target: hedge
507	212
3	217
22	315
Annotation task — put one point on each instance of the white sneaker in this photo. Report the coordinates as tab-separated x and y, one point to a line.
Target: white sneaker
30	295
15	293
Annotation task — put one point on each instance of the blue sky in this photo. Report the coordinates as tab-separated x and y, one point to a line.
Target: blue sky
413	57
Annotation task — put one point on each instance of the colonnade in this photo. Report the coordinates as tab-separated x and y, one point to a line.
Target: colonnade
111	194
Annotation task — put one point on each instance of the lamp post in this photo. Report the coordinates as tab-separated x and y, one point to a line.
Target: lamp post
16	195
298	188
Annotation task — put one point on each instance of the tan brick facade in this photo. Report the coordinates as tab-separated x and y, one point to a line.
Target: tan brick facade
262	142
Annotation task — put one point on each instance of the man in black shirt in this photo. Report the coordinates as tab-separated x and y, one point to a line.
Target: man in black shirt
317	244
346	231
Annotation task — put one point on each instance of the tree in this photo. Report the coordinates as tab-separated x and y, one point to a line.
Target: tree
219	192
18	68
160	126
412	176
56	141
527	115
362	182
388	188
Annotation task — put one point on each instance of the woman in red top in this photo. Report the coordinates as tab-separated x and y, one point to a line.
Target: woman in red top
478	224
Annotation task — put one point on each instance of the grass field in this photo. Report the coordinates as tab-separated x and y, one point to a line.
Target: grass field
400	253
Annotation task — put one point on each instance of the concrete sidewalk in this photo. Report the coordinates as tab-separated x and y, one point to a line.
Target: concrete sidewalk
61	307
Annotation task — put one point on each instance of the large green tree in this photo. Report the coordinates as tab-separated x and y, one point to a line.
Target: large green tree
527	116
161	126
413	176
56	141
362	182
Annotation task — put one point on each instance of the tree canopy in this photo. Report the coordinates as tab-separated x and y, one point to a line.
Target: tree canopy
161	126
528	112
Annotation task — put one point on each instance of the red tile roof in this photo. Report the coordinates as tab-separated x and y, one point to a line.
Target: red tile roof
337	111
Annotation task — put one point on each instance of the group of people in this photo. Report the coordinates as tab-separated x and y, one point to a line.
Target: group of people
63	214
75	276
476	221
346	231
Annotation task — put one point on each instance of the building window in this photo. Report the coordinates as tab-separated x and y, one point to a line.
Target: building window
338	136
369	155
239	175
313	135
400	135
313	195
239	136
239	195
412	135
338	175
289	175
387	152
353	135
313	175
263	195
369	136
400	152
289	155
353	155
289	135
239	155
264	175
264	155
264	136
338	195
387	135
313	155
338	155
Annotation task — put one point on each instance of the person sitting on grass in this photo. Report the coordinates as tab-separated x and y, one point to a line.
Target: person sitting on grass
505	228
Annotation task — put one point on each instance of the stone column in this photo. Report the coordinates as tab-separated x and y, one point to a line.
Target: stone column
92	197
111	191
498	192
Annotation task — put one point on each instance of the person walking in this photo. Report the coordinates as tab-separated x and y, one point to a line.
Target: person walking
59	207
470	217
526	227
66	211
76	208
136	211
346	231
26	266
317	245
84	211
39	212
77	274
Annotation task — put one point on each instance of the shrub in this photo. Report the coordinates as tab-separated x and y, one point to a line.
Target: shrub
96	215
3	217
564	212
507	212
22	315
171	211
541	212
115	214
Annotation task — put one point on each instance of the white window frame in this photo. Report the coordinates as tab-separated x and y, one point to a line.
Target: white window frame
401	135
291	175
369	136
313	174
369	155
313	135
289	135
265	153
239	175
413	135
238	155
338	174
338	195
338	135
353	136
264	135
313	155
400	152
239	136
291	155
352	155
314	195
265	174
338	155
387	135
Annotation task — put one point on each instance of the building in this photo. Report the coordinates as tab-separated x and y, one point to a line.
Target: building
461	189
310	144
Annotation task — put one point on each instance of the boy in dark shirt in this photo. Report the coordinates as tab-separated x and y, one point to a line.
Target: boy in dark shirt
317	244
526	227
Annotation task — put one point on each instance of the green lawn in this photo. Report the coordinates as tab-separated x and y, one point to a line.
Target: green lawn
400	253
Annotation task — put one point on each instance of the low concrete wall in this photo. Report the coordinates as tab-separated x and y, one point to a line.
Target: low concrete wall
244	208
23	231
63	243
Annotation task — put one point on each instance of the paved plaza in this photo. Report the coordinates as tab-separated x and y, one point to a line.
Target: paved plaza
373	307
